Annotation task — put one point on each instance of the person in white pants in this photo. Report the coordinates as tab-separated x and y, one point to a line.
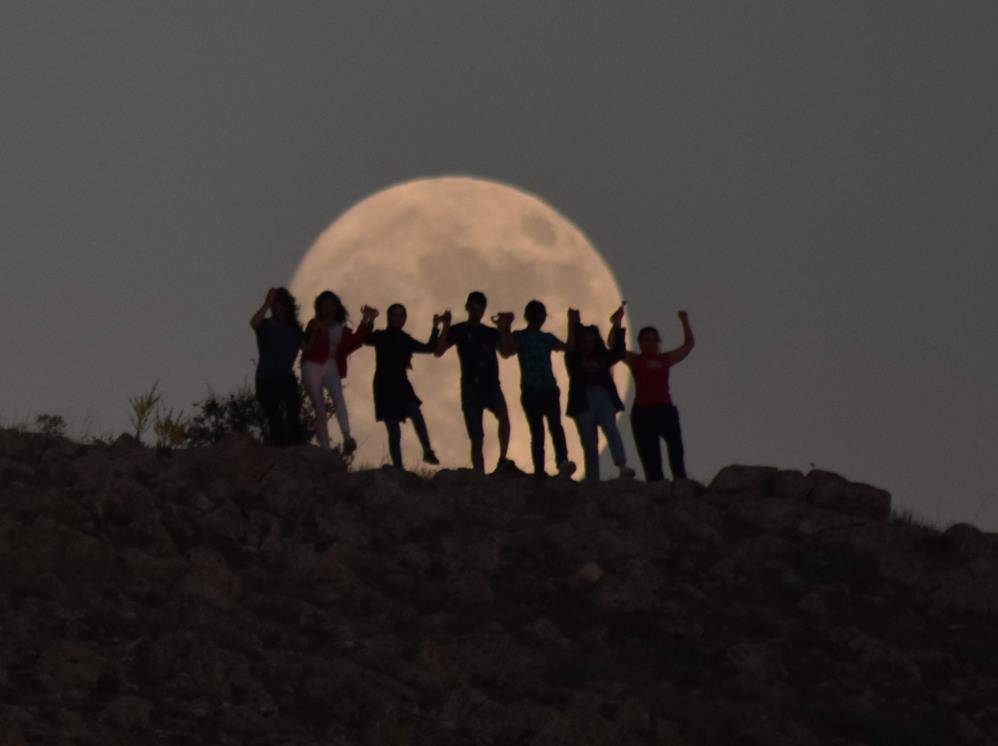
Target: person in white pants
328	343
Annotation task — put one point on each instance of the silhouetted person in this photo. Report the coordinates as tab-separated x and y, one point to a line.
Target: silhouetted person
328	343
480	389
593	401
278	339
395	400
654	417
539	393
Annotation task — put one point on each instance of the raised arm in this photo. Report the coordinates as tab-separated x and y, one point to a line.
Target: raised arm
507	343
429	345
442	341
261	313
680	353
574	322
617	339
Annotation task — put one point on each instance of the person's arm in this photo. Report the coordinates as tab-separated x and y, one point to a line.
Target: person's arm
507	342
557	345
353	339
617	338
574	322
443	341
429	345
257	320
680	353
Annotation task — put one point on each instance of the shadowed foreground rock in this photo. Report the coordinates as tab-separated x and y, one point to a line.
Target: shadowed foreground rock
243	595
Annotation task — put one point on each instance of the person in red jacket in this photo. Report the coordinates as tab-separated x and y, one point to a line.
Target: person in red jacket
328	343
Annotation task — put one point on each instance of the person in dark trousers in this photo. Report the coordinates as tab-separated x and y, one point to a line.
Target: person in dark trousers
593	401
279	337
654	417
480	388
539	393
395	400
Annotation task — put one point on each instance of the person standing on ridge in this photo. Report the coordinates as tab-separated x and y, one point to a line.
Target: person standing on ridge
539	393
395	400
593	401
328	343
480	388
654	417
278	340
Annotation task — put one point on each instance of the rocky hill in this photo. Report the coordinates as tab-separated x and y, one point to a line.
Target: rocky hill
244	595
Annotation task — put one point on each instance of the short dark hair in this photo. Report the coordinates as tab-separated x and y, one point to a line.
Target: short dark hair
398	306
476	296
535	311
647	330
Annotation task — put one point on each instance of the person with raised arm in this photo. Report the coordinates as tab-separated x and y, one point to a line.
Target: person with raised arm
654	416
539	392
480	388
395	400
593	401
328	344
278	340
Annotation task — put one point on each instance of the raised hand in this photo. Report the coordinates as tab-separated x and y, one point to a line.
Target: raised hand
684	317
504	318
368	313
574	316
445	317
618	315
271	297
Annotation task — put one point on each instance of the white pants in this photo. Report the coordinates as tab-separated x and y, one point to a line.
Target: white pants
317	377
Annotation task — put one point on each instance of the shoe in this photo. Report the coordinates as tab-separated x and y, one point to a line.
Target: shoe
349	445
505	464
626	472
429	457
566	468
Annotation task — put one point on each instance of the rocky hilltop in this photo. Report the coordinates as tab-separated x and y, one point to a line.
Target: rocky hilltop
245	595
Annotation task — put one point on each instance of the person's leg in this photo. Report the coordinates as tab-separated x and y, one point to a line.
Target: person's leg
552	413
586	425
394	442
333	382
502	414
311	375
673	435
533	408
603	411
419	425
268	394
645	428
292	411
471	406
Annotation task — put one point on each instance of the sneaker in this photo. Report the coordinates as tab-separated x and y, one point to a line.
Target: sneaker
566	468
505	464
626	472
429	457
349	445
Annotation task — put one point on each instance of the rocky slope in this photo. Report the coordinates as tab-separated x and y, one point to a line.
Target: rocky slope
243	595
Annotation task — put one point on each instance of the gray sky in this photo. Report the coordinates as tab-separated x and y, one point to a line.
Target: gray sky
814	181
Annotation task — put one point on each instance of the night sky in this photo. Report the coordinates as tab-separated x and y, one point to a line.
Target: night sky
814	182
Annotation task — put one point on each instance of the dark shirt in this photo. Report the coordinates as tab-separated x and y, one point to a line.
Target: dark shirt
278	344
476	348
533	349
393	351
593	371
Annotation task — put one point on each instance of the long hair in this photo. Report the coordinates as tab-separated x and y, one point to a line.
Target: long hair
601	348
341	312
286	299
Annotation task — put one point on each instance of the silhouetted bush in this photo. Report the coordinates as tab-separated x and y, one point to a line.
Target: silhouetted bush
216	416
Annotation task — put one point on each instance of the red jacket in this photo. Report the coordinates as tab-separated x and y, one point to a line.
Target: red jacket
319	351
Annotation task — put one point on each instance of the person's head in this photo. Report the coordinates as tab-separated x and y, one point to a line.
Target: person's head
649	341
590	342
535	313
285	307
475	305
329	309
396	316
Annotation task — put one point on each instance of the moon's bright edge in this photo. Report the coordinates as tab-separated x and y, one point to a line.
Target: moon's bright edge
427	244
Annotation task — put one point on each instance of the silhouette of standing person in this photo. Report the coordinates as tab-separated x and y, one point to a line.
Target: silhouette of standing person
328	343
480	389
278	339
539	393
593	401
654	417
395	400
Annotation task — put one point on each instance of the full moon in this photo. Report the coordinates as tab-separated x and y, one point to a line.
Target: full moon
427	244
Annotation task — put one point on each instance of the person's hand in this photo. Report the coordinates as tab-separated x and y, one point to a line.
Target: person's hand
502	319
574	316
684	317
271	298
437	319
618	315
368	313
445	317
